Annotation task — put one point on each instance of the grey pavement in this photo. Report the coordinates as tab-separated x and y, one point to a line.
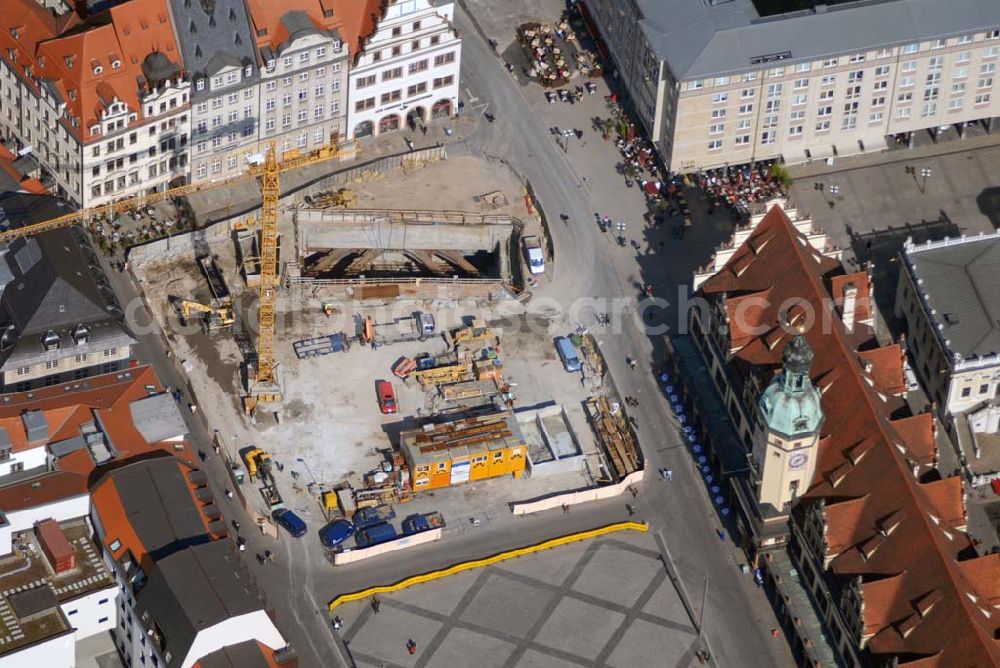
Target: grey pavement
603	602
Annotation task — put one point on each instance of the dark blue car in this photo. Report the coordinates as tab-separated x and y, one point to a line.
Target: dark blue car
335	533
291	522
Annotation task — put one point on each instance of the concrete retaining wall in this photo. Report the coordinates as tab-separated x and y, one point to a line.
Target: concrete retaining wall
360	554
577	497
197	242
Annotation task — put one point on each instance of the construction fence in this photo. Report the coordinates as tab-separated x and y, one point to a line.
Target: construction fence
578	497
487	561
349	556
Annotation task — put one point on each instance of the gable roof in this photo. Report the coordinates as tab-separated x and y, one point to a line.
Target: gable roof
901	537
195	589
276	23
213	35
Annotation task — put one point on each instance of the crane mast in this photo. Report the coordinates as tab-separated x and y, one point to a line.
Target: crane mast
265	390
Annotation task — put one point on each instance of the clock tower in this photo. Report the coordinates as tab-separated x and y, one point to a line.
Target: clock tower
785	443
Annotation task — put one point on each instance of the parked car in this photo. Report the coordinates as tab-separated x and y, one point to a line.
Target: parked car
386	396
567	354
336	532
291	522
373	515
533	253
375	534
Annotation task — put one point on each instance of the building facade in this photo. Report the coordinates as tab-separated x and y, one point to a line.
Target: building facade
102	103
304	77
873	565
719	84
407	70
220	57
947	298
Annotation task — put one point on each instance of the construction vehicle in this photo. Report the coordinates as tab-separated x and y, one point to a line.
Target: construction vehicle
446	373
418	327
213	319
477	333
422	522
403	367
328	199
258	463
272	498
373	515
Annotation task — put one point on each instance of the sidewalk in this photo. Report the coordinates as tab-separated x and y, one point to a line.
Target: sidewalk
819	167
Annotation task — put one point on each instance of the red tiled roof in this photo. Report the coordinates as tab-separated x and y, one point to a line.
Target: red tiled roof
886	368
266	17
860	280
25	183
108	398
879	523
359	20
65	51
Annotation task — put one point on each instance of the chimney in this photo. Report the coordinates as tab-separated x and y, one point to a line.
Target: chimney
850	303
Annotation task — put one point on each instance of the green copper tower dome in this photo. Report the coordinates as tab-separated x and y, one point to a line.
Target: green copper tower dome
790	405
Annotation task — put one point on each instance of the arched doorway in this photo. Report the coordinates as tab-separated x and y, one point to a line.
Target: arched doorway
388	123
363	129
416	117
441	109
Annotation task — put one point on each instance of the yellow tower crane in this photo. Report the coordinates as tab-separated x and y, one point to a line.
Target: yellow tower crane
264	388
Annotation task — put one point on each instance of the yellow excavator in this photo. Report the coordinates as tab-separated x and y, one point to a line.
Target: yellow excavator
213	320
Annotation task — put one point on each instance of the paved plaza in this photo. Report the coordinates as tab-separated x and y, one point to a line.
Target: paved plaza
602	602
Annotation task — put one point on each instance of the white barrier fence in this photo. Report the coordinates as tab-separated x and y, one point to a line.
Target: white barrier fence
577	497
358	554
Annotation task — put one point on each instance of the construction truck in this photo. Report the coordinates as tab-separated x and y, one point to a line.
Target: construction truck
477	333
213	319
418	327
332	198
258	463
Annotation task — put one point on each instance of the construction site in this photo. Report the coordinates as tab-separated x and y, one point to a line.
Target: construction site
377	367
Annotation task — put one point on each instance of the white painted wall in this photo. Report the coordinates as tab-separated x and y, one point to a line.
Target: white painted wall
86	612
435	24
59	651
30	458
253	626
64	509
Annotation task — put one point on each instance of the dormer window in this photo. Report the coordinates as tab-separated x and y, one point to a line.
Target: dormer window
248	70
200	84
8	338
98	69
15	33
115	64
81	334
50	341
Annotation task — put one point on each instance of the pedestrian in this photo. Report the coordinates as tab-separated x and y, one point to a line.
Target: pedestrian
409	144
630	509
376	604
216	448
565	508
337	623
260	558
236	525
670	474
411	646
423	130
268	556
229	493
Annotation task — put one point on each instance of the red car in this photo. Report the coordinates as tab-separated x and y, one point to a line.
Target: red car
386	396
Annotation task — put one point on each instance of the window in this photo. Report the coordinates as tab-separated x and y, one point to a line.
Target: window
393	73
910	66
935	64
695	85
742	140
855	76
231	77
795	131
985	82
824	111
882	71
287	61
718	113
271	85
875	117
803	67
269	125
200	84
911	48
719	98
444	59
376	56
362	105
774	90
858	58
715	145
990	53
984	388
966	391
216	81
743	124
717	129
939	44
955	104
962	57
319	90
303	95
983	98
216	166
748	93
822	126
878	101
318	111
420	65
303	76
767	137
391	96
441	82
202	171
364	82
302	115
416	89
775	72
930	109
722	81
958	88
828	80
286	100
320	52
960	73
286	121
904	113
269	104
745	109
993	34
231	162
881	85
906	82
286	81
831	62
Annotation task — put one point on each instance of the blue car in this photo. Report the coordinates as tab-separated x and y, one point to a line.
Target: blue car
335	533
291	522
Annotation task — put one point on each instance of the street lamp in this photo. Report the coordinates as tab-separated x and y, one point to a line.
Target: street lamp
566	135
924	173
